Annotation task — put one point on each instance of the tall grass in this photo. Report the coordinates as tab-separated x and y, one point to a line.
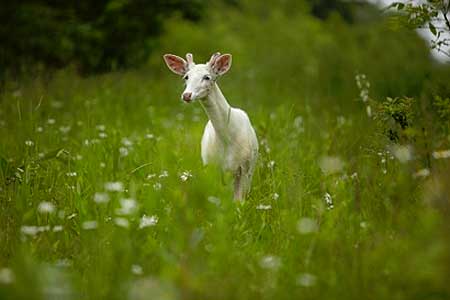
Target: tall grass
103	194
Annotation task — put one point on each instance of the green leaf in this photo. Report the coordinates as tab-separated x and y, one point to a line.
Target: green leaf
432	29
52	154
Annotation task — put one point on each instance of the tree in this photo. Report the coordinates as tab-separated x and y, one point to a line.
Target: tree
430	14
95	36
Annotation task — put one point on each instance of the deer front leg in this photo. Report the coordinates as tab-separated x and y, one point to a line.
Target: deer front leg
238	185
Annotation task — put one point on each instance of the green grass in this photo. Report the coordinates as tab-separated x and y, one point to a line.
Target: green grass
380	238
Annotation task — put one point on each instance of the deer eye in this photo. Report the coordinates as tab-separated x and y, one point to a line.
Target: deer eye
206	77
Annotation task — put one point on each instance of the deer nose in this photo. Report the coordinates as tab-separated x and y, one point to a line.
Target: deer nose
187	97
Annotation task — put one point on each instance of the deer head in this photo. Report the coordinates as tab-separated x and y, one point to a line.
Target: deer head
199	78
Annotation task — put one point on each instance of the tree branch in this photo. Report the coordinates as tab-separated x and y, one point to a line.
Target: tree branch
444	14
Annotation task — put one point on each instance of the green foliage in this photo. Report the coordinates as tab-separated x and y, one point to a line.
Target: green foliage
323	8
333	211
94	35
443	108
395	117
430	14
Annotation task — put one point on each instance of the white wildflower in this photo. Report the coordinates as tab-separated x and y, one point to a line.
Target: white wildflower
64	129
328	201
307	225
123	151
402	153
6	276
148	221
121	222
29	230
89	225
157	186
64	263
101	198
364	95
51	121
46	207
271	164
185	176
363	85
70	217
264	207
306	280
164	174
29	143
100	127
102	135
39	129
150	176
270	262
298	122
369	111
116	186
57	228
422	173
127	206
214	200
71	174
127	142
43	228
441	154
275	196
136	270
340	121
150	136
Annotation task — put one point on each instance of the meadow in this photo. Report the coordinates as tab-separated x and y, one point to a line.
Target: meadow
103	194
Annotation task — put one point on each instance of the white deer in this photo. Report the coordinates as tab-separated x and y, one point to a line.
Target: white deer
229	138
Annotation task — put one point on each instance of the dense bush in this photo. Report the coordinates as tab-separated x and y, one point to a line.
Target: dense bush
95	35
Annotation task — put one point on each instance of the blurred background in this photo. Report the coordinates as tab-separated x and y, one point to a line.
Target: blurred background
101	36
316	42
350	198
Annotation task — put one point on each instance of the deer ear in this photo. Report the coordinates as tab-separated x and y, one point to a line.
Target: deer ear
221	64
176	64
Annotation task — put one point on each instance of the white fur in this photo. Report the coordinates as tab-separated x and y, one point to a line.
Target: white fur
229	138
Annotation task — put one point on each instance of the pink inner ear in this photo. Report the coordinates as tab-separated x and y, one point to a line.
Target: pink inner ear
176	64
222	64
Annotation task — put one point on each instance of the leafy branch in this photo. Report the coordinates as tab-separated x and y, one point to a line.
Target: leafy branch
432	15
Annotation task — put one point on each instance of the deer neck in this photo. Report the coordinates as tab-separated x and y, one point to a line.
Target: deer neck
218	111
